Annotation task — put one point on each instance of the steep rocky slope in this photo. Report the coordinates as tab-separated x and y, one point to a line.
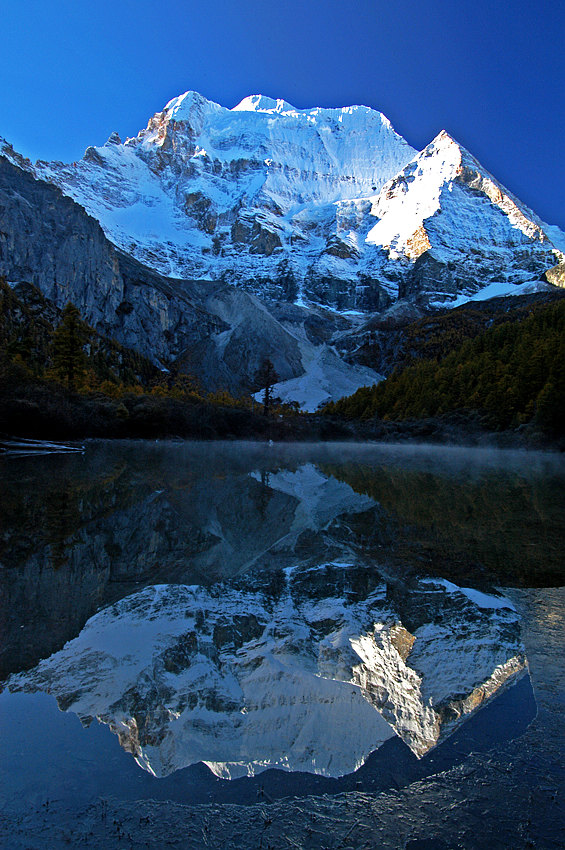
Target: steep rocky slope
216	331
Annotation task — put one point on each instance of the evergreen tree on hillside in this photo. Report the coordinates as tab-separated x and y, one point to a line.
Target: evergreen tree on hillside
266	378
69	340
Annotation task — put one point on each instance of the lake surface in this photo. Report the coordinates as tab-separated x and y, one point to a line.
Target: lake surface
232	622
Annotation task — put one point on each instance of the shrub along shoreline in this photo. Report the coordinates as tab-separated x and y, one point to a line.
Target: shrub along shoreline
48	411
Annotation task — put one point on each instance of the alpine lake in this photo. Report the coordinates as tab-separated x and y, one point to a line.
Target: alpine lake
259	624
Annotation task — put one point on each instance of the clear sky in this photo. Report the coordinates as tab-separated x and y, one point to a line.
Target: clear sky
490	72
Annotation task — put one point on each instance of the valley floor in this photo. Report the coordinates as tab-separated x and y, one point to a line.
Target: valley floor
509	797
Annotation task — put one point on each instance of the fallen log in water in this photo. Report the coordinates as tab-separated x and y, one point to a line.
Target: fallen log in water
21	446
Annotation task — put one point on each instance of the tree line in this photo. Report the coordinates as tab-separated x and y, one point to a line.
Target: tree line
58	375
511	374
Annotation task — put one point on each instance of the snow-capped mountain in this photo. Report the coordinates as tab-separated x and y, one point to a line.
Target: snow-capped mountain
219	237
205	190
323	206
312	670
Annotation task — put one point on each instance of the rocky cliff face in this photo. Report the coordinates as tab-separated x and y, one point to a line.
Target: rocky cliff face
323	206
306	669
216	331
48	240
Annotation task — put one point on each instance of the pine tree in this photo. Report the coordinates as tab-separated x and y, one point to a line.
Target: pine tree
266	378
69	339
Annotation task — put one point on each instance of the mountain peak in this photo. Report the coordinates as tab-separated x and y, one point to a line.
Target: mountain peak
180	108
114	139
263	103
444	143
8	152
444	138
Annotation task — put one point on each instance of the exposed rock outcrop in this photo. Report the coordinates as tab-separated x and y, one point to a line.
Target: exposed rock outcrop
214	330
556	275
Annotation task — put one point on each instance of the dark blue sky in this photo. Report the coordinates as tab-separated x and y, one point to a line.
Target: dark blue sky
491	72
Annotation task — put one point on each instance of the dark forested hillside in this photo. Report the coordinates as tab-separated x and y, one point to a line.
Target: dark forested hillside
28	337
497	526
512	373
390	343
60	379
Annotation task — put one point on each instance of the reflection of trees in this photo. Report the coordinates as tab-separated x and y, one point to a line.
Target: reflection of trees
49	506
62	520
265	493
59	512
262	494
500	522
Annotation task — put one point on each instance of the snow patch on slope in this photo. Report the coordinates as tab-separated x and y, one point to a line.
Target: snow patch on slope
556	235
320	499
482	600
413	196
326	378
495	290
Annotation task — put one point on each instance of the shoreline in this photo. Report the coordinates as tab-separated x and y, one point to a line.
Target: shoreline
41	414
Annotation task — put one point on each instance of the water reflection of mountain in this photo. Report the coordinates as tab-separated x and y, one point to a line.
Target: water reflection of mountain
303	669
78	535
